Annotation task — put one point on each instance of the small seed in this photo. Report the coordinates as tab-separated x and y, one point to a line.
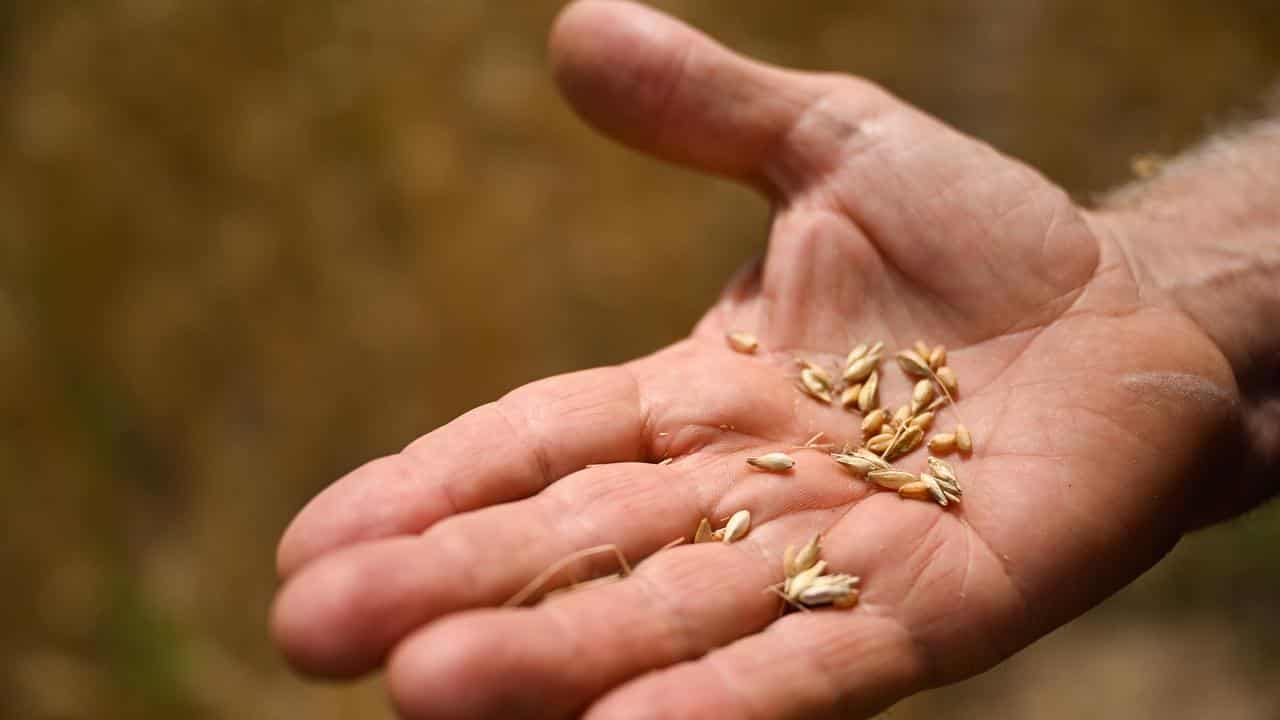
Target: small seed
880	443
814	384
935	489
938	402
859	369
912	364
922	348
808	555
937	357
737	526
942	470
909	440
947	378
921	394
922	421
858	465
801	581
849	397
743	342
915	491
827	589
867	397
718	535
816	370
855	354
872	423
850	599
902	415
816	379
824	397
703	533
942	443
891	479
952	491
773	462
861	461
870	456
964	441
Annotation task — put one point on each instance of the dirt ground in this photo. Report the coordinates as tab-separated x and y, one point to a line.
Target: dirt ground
246	246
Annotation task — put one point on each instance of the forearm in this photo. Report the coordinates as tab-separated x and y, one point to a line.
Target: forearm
1204	235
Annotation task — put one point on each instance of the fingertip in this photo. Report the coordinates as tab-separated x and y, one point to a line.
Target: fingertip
382	498
605	50
423	675
457	668
311	622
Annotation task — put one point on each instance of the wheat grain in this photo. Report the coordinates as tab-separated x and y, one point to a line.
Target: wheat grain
921	395
942	443
772	462
743	342
867	396
872	423
738	526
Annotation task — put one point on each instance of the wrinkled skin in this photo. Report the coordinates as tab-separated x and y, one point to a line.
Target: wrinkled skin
1090	399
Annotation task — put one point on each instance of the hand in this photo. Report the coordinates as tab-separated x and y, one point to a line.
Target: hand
1090	400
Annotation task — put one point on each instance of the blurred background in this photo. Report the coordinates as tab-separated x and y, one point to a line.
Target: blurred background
246	246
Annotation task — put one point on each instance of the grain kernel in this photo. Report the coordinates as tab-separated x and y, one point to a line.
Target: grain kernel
923	421
891	479
703	534
743	342
947	378
942	443
738	526
921	395
872	423
912	364
937	357
772	462
867	397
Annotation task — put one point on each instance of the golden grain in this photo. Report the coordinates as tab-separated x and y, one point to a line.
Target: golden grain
937	357
942	443
743	342
913	365
891	479
859	369
947	379
867	396
703	533
738	526
923	421
872	423
773	462
921	395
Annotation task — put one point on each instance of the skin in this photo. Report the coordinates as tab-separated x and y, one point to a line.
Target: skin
1094	397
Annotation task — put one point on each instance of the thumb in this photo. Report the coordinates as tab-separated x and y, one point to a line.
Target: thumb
664	88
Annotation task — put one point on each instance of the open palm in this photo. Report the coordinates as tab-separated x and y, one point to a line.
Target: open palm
1088	402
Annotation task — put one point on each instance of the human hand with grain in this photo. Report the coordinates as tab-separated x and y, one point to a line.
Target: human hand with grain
1092	396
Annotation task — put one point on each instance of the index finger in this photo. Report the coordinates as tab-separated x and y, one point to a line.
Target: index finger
503	451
